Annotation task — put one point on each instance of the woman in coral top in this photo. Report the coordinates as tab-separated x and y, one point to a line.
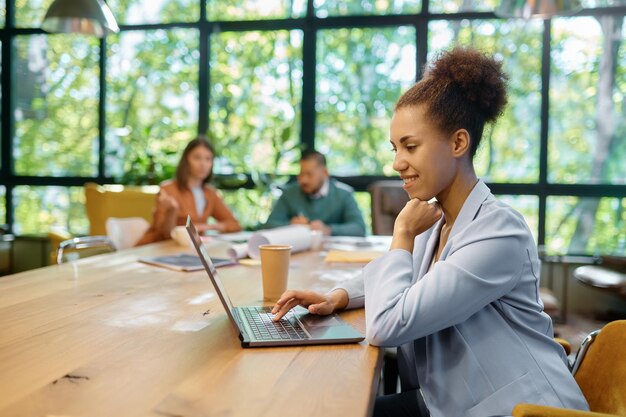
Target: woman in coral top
190	194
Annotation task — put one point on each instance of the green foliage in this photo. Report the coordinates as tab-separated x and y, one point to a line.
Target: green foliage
40	208
453	6
154	11
3	12
324	8
255	9
609	232
360	75
152	102
256	94
30	13
3	208
574	114
56	106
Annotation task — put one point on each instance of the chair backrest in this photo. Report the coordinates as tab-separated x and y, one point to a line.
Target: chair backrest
600	369
388	199
125	232
82	247
104	201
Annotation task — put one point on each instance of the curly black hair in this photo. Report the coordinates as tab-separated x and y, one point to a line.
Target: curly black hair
462	88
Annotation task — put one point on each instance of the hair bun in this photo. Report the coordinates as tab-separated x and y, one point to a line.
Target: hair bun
477	77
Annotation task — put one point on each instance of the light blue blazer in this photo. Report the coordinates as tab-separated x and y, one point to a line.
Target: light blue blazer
472	332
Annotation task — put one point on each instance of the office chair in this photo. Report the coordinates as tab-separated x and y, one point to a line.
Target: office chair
600	371
609	275
82	247
388	199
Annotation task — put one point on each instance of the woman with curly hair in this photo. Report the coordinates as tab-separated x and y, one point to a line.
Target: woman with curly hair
457	292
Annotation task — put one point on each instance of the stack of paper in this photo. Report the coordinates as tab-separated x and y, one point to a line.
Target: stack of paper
352	256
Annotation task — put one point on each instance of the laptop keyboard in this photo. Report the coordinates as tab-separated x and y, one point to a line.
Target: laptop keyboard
260	320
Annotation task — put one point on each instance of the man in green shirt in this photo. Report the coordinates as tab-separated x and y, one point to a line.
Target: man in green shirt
322	203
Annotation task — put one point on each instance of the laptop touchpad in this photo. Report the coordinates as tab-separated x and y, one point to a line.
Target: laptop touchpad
312	320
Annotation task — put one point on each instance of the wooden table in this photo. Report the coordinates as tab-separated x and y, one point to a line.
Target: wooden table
109	336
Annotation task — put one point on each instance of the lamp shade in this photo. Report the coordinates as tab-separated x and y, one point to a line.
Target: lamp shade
91	17
537	8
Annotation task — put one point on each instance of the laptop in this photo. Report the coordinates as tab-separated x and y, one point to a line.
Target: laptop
255	326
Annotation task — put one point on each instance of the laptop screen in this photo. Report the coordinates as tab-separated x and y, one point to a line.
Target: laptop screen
211	270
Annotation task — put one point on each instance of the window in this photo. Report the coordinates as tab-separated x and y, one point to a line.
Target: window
136	12
56	105
587	92
255	9
37	209
325	8
360	75
256	98
266	78
152	101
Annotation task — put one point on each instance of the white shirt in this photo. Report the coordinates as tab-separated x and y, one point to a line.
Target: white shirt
323	191
198	196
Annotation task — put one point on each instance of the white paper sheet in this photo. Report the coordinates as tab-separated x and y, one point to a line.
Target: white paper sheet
298	236
237	251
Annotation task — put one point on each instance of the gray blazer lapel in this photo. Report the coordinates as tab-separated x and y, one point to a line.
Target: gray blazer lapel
426	252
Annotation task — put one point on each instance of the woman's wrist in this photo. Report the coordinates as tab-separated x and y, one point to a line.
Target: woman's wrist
402	239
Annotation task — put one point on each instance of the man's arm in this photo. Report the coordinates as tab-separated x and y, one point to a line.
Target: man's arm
279	215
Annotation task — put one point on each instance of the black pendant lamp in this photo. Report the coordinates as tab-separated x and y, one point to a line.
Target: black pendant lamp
90	17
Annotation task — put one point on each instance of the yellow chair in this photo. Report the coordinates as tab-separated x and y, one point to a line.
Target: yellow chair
600	371
111	200
56	235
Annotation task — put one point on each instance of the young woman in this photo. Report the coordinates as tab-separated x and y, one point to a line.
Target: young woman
458	290
190	194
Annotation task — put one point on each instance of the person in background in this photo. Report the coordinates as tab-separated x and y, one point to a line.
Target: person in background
458	291
322	203
190	194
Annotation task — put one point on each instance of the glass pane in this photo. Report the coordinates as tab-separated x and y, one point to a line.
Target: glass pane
587	94
364	201
1	115
256	94
528	206
30	13
3	204
250	207
509	152
131	12
255	9
39	208
456	6
3	12
56	105
577	225
360	76
325	8
152	102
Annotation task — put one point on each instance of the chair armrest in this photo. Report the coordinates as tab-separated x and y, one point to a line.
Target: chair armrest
532	410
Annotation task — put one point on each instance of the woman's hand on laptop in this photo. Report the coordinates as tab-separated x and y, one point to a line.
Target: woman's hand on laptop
315	302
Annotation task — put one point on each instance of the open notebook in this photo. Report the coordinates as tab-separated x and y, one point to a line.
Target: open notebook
183	261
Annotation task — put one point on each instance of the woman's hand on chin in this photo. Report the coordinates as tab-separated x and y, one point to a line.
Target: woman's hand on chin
415	218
